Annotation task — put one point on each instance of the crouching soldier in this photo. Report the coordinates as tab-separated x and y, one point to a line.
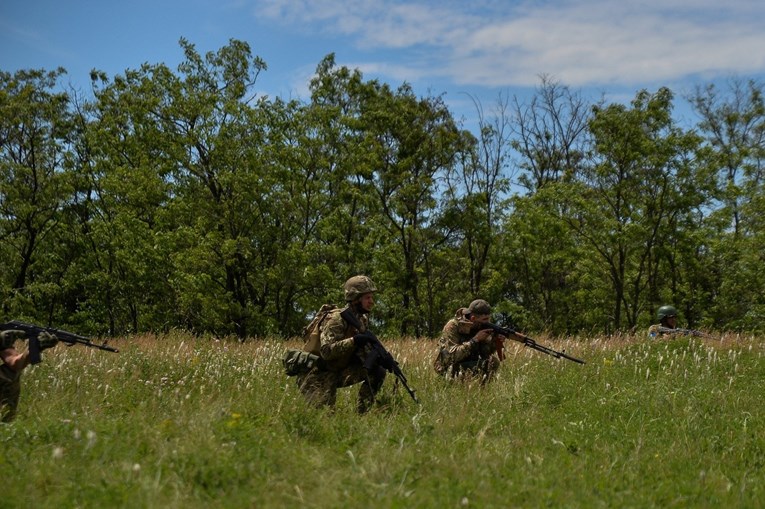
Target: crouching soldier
464	349
343	349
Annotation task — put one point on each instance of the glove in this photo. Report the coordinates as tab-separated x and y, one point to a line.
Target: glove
362	339
47	340
388	362
7	337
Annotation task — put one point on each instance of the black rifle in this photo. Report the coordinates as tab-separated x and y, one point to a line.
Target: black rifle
33	332
379	355
517	336
683	332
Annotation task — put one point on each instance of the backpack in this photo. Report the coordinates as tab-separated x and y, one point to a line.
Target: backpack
297	362
312	331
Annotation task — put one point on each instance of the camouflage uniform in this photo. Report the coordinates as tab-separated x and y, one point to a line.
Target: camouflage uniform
655	331
10	386
459	355
343	365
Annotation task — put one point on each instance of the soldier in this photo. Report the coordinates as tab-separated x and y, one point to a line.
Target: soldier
464	349
11	368
667	316
343	350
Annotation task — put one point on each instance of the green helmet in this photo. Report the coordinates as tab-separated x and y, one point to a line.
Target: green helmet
357	286
666	312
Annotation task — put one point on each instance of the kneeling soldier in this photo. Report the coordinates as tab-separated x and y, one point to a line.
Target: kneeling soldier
464	349
343	351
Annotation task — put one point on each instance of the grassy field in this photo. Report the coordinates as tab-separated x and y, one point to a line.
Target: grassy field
178	422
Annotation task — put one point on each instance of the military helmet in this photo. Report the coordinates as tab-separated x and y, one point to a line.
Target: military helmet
479	307
666	312
357	286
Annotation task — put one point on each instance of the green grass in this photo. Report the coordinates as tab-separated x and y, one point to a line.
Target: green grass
177	422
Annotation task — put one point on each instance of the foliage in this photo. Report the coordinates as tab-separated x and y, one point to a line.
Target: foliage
180	198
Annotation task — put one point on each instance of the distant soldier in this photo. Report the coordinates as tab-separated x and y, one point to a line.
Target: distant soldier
343	350
667	326
13	363
464	350
667	316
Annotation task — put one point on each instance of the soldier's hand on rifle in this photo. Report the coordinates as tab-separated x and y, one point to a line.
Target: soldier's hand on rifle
483	336
362	339
47	340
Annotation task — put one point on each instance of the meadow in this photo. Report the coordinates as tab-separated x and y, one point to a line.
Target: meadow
175	421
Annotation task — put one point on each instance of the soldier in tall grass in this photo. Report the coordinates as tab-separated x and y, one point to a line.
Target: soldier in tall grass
13	363
466	351
343	350
667	316
667	326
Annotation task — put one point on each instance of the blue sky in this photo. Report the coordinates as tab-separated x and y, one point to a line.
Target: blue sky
479	47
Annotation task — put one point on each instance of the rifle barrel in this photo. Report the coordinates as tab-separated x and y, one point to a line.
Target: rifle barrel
527	341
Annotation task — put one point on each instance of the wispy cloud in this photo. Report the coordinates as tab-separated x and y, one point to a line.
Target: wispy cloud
499	43
32	38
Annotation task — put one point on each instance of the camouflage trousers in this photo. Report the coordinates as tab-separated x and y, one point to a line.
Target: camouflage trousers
10	390
319	386
485	369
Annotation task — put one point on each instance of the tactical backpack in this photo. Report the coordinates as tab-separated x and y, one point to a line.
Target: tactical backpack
312	331
302	361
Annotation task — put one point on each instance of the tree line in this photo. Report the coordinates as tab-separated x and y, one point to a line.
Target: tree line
183	199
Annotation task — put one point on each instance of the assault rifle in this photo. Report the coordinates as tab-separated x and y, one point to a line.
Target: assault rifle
683	332
517	336
33	332
379	355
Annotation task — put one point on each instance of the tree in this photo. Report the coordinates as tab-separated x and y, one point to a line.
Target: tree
550	134
477	190
551	138
642	177
733	124
35	186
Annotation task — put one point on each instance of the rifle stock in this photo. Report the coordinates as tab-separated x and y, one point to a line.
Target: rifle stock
379	353
527	341
33	333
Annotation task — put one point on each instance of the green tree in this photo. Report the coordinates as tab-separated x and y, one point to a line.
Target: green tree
732	122
539	255
391	151
179	168
415	143
35	187
642	176
477	189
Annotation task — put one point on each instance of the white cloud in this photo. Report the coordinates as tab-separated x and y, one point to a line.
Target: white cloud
496	43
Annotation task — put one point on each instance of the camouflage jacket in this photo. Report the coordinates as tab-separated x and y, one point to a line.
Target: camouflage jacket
337	345
658	330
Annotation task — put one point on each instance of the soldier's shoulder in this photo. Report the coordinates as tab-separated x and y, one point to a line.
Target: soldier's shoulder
333	315
452	324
